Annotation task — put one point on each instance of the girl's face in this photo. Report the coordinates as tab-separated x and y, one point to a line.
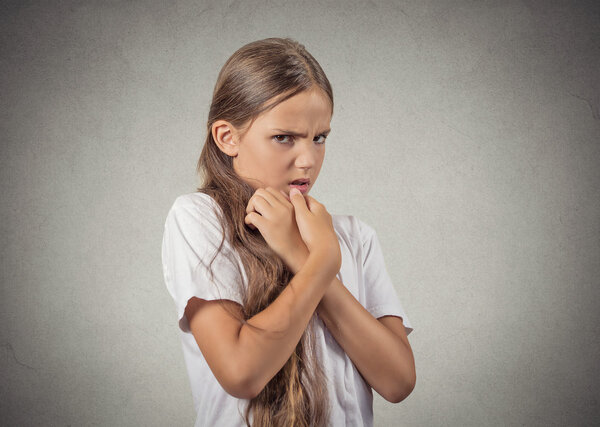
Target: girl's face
286	143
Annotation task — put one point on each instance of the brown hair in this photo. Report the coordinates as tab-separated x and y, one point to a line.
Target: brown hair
257	77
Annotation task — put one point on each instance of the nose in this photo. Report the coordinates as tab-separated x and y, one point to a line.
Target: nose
306	156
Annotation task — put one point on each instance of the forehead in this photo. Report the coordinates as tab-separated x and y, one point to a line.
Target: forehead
308	109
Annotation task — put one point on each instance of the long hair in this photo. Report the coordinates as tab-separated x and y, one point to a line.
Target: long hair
256	78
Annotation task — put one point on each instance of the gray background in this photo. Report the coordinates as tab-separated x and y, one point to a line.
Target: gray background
465	133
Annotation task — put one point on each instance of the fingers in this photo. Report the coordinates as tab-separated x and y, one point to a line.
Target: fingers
277	195
263	205
264	198
298	201
312	204
254	220
286	196
257	204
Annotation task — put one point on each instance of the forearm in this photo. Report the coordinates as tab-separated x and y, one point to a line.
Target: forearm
270	337
384	360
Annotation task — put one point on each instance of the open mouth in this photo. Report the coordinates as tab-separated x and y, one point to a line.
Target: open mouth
300	184
301	181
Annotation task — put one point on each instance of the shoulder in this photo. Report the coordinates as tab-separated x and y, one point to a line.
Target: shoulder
195	211
352	229
195	201
199	204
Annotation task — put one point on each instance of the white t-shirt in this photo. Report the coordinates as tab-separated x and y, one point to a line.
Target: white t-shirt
191	237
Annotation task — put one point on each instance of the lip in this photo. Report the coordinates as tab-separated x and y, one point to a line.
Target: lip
303	188
302	181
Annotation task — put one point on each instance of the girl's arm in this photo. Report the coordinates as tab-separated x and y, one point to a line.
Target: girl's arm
379	348
245	356
244	359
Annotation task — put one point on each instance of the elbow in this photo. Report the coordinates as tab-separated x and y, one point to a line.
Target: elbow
241	385
401	389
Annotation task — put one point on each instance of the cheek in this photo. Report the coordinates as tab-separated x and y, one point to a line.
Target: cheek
268	164
276	168
266	160
256	158
321	159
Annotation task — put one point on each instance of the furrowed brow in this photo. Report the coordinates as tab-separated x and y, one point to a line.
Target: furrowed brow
301	135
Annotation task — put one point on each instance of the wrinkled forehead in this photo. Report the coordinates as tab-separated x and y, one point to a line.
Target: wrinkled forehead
290	107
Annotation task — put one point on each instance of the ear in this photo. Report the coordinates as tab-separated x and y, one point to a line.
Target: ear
225	135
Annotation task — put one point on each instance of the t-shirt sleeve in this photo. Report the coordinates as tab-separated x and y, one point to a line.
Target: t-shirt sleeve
380	295
192	236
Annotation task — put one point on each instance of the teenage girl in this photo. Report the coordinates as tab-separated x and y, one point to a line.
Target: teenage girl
288	316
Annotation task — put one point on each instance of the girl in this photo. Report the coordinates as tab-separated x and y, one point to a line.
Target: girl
287	314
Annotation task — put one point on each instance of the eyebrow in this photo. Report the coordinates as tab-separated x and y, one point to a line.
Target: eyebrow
302	135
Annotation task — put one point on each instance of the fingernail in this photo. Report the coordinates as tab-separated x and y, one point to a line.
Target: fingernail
294	191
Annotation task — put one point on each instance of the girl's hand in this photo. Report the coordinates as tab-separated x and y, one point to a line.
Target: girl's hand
273	215
316	229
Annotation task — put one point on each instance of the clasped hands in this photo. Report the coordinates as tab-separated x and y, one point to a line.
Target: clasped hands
294	228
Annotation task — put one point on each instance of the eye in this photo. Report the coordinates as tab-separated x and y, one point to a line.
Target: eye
320	139
288	139
282	139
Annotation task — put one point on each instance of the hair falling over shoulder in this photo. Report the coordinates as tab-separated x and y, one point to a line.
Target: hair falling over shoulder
254	79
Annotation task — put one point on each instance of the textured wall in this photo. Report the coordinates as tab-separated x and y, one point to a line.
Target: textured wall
466	133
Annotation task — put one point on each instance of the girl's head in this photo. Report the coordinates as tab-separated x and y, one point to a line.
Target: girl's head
268	119
270	114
